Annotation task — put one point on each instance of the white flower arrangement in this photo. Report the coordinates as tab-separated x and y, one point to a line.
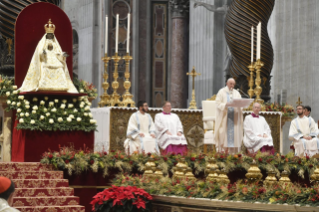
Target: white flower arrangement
56	101
19	110
35	99
21	97
19	104
8	93
15	87
21	120
42	102
60	119
32	121
78	119
51	121
34	112
53	110
27	114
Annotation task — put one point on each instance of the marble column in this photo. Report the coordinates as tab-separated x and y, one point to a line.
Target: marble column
179	56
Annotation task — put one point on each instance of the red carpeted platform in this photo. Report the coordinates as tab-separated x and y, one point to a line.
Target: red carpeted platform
40	188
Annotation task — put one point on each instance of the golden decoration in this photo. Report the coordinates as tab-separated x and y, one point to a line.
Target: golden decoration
158	172
258	89
212	175
9	43
213	98
49	27
251	68
179	169
193	74
254	173
127	96
299	102
315	176
223	178
211	163
149	167
270	179
115	97
105	97
284	178
189	174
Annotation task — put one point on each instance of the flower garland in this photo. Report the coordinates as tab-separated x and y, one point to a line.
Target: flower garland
47	113
76	161
286	109
240	191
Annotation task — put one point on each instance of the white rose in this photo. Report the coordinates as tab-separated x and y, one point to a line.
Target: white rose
19	104
32	121
19	110
56	100
21	120
74	100
15	92
75	111
15	87
70	106
26	102
53	110
71	116
51	103
13	103
42	102
78	119
41	117
8	93
65	113
21	114
89	103
64	101
21	97
81	105
68	119
4	87
62	106
81	91
60	119
35	107
45	110
46	98
87	108
47	114
51	121
92	121
35	99
27	106
34	112
27	114
8	102
90	114
85	114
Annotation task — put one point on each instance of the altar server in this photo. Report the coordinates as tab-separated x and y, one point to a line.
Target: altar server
141	132
307	112
257	134
6	195
169	131
229	120
303	133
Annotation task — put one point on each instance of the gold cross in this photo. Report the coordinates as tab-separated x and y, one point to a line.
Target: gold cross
193	73
299	102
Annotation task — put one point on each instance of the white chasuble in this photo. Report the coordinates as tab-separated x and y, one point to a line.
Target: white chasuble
172	123
48	70
140	123
229	121
253	127
299	128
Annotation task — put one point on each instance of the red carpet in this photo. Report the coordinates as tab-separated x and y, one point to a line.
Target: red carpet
40	189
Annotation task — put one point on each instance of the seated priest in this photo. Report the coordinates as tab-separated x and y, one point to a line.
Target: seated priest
169	130
307	112
257	134
141	132
303	133
6	195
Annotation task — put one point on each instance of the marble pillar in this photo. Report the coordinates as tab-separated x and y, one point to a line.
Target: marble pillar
179	57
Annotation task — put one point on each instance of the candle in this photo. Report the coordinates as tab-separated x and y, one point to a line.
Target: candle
106	33
128	33
117	33
252	44
258	40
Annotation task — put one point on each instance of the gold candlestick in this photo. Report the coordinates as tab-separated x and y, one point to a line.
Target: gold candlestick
127	96
192	104
105	98
115	97
251	68
258	89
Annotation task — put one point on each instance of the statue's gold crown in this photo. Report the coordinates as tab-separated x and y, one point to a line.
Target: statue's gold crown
49	27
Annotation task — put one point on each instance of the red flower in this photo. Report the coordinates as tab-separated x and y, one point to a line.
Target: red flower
149	154
91	162
173	154
131	162
282	157
71	157
299	161
222	156
261	190
188	187
50	156
307	157
239	155
260	160
112	150
192	159
105	153
116	156
310	166
66	161
165	158
140	203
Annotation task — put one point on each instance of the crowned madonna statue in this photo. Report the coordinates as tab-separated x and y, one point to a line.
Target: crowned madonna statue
48	70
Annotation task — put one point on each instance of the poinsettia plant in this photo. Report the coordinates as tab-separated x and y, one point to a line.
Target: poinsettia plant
122	199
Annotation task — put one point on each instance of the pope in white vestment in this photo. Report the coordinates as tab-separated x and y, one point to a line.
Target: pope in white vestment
140	134
304	134
229	120
169	130
257	134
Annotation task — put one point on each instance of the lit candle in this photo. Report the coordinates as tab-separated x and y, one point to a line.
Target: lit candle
106	33
128	33
258	40
252	44
117	33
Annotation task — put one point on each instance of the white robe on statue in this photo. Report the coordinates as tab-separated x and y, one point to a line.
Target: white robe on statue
299	128
229	121
173	124
140	123
253	127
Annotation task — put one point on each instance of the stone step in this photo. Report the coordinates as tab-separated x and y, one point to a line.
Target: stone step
45	201
43	192
32	174
52	208
31	183
24	166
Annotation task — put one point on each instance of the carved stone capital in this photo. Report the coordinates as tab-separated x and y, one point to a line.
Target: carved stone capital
179	8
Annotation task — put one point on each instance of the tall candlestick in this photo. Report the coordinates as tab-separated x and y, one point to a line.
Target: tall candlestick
258	40
117	33
128	33
252	44
106	33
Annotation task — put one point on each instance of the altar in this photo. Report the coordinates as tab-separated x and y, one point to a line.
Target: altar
112	124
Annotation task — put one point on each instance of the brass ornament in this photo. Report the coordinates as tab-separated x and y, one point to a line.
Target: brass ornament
115	97
223	178
211	163
284	178
315	176
149	167
105	97
127	96
253	173
258	89
158	172
270	179
213	175
189	174
193	74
